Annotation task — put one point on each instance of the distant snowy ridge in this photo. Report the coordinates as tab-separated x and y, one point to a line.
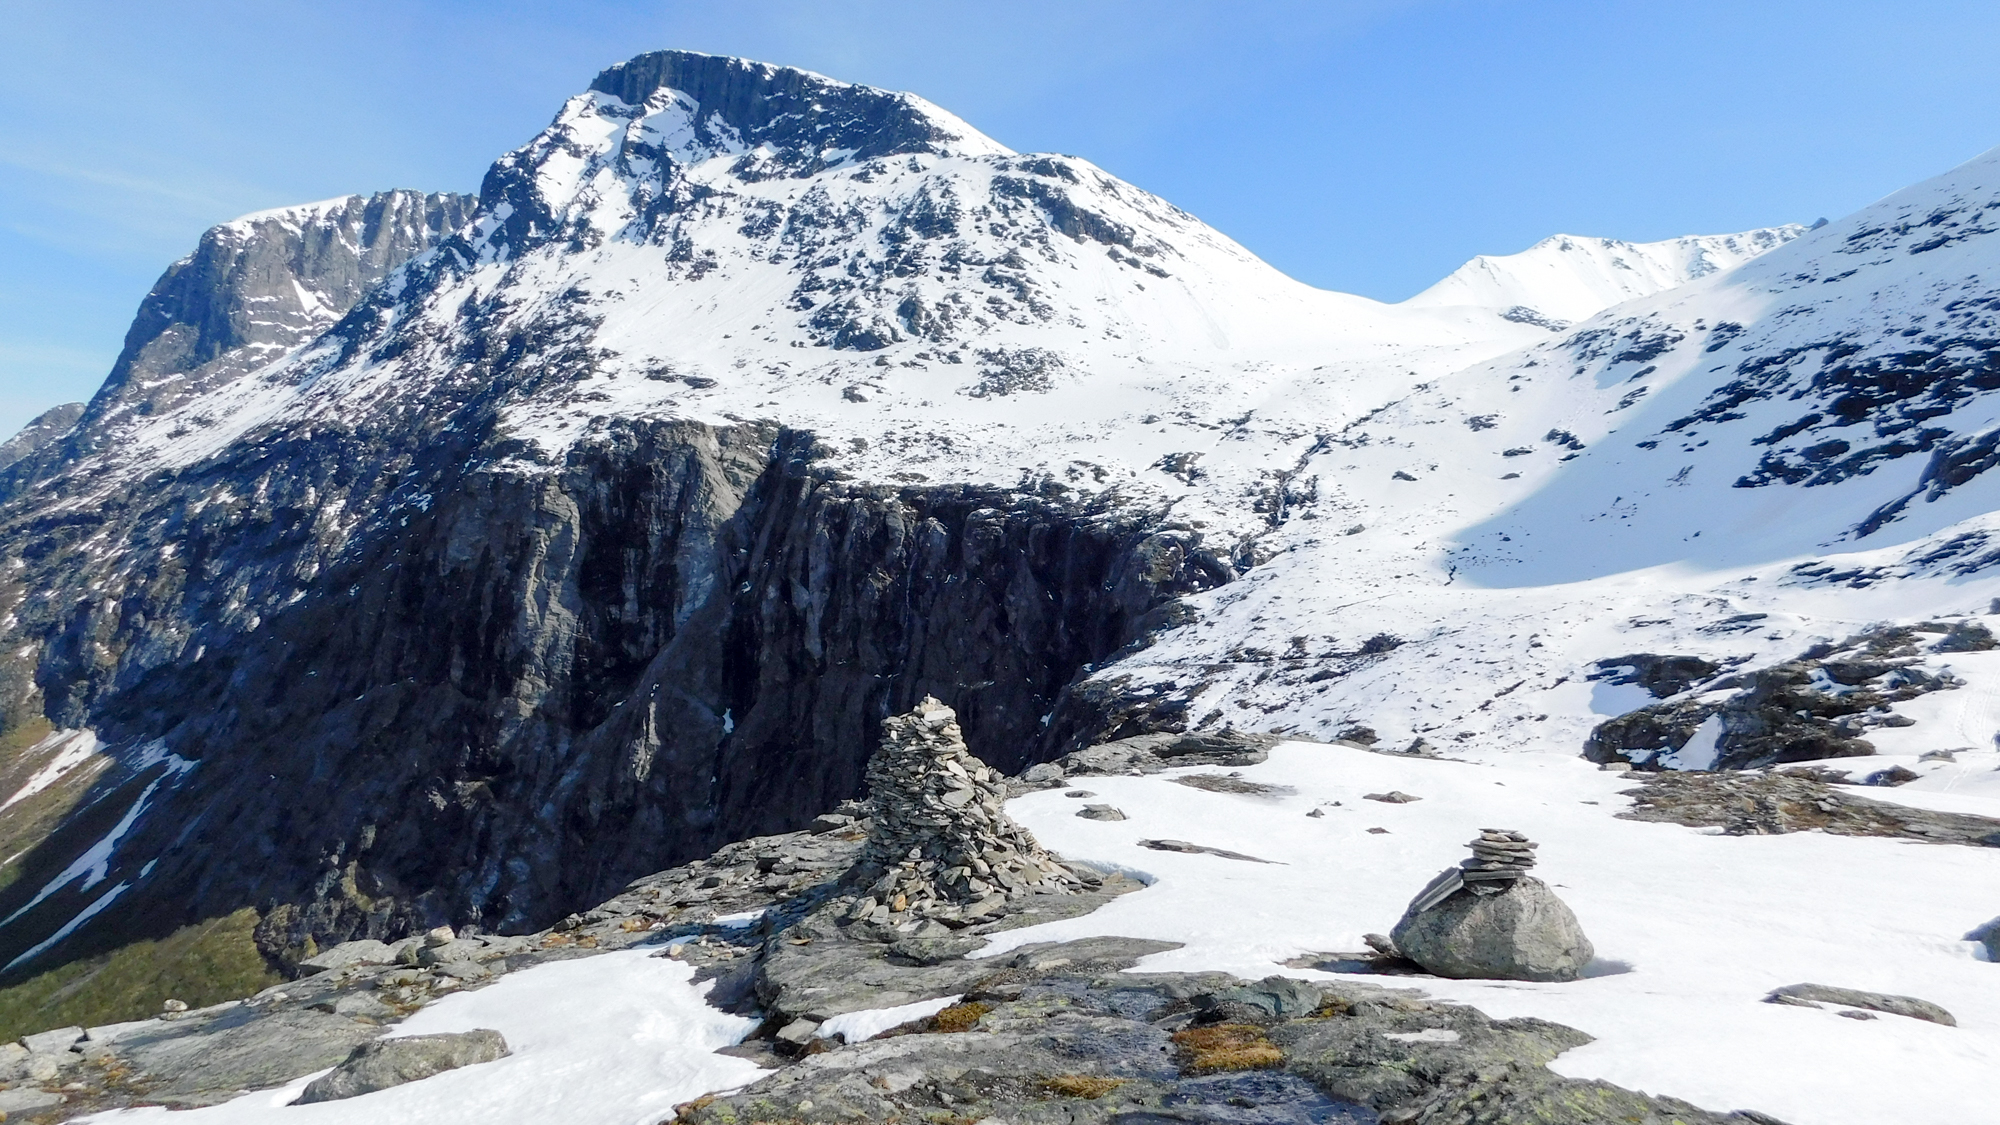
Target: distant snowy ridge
1566	278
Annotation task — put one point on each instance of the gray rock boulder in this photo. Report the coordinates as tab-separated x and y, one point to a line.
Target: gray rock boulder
27	1099
392	1062
1522	933
363	952
1988	935
202	1062
50	1042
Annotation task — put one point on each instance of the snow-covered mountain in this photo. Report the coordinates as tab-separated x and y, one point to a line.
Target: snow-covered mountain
599	526
1563	278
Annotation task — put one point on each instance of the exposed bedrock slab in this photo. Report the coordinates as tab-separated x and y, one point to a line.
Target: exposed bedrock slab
393	1062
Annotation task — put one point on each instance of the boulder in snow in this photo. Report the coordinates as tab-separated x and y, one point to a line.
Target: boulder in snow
1521	933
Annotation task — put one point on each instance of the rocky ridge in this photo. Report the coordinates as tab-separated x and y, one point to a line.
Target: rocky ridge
47	427
253	290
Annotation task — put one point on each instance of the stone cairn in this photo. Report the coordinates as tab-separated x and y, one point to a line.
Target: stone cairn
1500	857
939	845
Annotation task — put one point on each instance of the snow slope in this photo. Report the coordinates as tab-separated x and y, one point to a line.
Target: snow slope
1565	278
1691	928
1736	468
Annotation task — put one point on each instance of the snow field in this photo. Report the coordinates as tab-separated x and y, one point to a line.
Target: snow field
615	1039
1691	928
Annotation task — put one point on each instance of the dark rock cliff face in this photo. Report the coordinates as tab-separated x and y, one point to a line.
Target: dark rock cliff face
526	692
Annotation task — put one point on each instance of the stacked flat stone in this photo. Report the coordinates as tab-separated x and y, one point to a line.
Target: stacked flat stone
939	844
1499	857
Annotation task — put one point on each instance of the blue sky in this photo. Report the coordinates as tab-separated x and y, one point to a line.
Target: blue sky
1364	145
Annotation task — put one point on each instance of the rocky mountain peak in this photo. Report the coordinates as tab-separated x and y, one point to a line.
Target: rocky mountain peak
640	128
252	290
793	110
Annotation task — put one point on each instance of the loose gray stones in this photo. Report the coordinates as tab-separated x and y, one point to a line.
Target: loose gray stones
939	845
1487	918
1499	857
1100	812
392	1062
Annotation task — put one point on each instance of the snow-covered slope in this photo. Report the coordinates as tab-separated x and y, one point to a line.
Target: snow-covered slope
1739	468
1566	278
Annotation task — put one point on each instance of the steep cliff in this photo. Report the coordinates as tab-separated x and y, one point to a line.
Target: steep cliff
251	291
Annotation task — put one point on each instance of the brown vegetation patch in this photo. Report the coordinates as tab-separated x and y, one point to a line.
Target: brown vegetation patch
1086	1086
960	1017
1226	1046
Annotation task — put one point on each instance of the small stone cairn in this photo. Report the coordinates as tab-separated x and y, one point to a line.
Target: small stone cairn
1500	857
939	845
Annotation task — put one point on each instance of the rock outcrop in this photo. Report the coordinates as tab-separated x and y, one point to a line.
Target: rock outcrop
940	845
1488	918
47	427
1813	995
1800	799
539	688
1820	705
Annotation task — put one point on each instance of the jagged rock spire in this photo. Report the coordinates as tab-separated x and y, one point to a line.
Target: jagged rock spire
939	844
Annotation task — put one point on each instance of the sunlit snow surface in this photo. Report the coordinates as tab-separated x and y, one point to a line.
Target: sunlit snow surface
1691	928
616	1039
856	1026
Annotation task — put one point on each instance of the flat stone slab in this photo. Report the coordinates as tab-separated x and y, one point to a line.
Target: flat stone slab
28	1099
1813	995
363	952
